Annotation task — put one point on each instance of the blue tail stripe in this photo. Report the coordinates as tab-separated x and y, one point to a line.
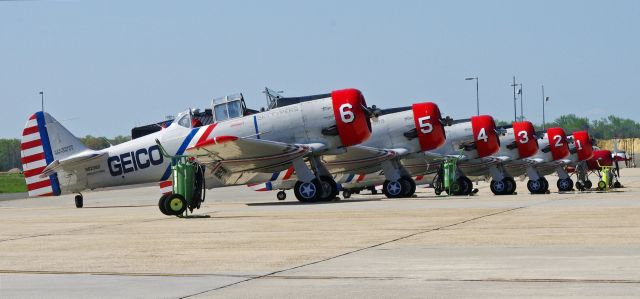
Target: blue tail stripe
180	151
274	176
48	154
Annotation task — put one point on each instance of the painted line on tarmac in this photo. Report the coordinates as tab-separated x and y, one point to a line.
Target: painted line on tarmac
271	274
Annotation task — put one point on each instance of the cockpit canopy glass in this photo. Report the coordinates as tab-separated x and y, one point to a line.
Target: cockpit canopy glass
228	107
184	119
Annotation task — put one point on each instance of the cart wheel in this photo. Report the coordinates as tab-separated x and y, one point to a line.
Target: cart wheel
588	184
602	185
79	201
281	195
161	204
175	204
617	185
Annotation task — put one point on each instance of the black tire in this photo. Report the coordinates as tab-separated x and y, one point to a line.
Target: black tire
79	201
546	184
467	185
588	184
161	204
512	185
307	192
395	189
329	189
410	186
374	191
580	186
535	186
346	194
565	184
281	195
617	185
175	204
499	187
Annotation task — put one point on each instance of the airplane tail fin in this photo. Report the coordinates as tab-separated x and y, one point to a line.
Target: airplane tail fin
45	140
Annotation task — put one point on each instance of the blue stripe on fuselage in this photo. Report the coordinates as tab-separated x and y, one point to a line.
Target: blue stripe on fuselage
274	176
255	125
181	149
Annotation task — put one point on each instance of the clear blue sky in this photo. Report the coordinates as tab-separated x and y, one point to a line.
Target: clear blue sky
106	66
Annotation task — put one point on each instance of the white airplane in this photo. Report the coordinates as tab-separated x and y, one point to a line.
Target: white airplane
414	134
232	148
555	154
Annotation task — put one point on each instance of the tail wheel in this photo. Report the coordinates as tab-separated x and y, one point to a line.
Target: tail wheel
307	191
175	204
565	184
617	185
346	194
79	201
393	189
281	195
329	188
161	204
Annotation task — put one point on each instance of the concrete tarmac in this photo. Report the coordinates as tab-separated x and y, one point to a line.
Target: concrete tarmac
119	245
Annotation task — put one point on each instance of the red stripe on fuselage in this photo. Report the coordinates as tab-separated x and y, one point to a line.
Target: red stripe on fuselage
206	133
360	177
288	174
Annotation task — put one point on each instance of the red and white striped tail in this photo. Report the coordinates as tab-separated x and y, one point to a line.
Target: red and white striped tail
166	187
35	153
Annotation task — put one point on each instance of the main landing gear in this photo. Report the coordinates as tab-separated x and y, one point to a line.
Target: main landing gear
506	186
539	186
313	186
403	187
565	184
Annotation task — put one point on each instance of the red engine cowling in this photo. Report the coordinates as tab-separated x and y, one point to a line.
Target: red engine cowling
426	117
604	156
525	138
558	143
582	141
484	135
352	122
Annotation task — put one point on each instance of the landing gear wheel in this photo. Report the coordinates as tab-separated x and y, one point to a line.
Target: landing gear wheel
565	184
161	204
466	186
511	183
346	194
410	186
588	184
175	204
79	201
617	185
393	189
602	185
307	192
329	188
498	187
536	186
281	195
546	184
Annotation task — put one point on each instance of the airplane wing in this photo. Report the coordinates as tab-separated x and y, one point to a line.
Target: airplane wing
236	154
71	162
359	158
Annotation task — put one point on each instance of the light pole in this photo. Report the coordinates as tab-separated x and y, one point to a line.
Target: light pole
42	100
521	110
515	100
544	100
477	94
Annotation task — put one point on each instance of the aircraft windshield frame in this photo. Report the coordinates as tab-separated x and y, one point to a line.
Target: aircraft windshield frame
228	107
183	119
